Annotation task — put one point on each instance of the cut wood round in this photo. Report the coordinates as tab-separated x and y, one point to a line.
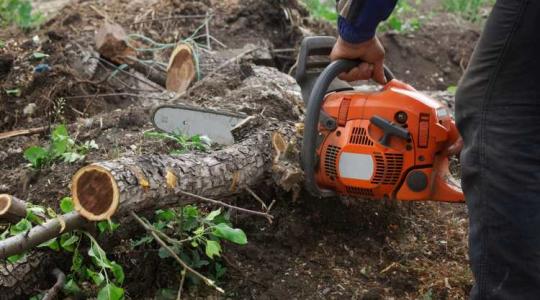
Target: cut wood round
11	208
95	193
182	69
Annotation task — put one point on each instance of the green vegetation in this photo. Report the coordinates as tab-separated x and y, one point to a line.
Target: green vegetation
322	10
20	13
468	9
183	142
196	237
62	148
404	18
94	272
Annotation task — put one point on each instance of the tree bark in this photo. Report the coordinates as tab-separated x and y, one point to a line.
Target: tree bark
11	208
22	278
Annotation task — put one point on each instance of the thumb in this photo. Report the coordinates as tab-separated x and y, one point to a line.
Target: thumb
378	72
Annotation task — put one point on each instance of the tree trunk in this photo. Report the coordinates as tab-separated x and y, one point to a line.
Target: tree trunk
22	278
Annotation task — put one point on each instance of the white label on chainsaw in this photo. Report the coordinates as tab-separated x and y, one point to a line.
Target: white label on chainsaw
356	166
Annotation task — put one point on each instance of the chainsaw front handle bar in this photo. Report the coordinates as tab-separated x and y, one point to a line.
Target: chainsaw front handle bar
311	123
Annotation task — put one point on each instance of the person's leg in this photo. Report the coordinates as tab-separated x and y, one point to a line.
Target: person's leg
498	115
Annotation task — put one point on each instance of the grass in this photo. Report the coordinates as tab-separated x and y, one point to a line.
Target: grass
468	9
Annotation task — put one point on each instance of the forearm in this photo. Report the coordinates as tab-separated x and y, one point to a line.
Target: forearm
358	19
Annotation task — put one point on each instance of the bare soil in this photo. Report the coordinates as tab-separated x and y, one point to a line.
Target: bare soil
315	249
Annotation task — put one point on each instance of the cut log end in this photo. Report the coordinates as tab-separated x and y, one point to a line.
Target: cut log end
182	70
95	193
5	203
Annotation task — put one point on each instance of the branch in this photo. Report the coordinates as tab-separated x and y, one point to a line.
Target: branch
11	208
40	234
220	203
150	230
60	281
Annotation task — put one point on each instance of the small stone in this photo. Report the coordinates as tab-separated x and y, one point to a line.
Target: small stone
30	109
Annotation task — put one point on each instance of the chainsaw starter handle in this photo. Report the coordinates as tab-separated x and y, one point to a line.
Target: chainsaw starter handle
311	123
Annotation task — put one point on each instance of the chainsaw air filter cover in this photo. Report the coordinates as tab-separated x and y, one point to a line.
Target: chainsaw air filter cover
386	144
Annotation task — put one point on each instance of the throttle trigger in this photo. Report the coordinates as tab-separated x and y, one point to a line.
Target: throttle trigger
389	130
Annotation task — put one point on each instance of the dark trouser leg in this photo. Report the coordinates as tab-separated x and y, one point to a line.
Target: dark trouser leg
498	114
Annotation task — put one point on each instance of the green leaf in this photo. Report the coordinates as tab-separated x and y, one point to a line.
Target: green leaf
39	55
212	215
165	215
236	235
71	157
212	248
96	277
107	226
99	256
71	287
118	272
60	140
15	258
68	240
22	226
14	92
66	205
452	89
36	156
51	244
76	261
111	292
144	240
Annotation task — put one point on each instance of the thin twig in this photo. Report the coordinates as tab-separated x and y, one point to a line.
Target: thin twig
116	94
179	297
257	198
248	211
19	132
207	28
148	228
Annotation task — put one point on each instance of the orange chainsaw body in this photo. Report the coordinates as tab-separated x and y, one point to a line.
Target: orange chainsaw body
354	161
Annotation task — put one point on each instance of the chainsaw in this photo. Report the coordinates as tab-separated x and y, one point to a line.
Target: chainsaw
391	143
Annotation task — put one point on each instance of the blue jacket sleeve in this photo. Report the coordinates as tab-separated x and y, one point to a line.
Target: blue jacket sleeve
360	24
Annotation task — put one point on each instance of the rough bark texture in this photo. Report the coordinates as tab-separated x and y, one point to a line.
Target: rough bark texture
21	279
152	181
40	234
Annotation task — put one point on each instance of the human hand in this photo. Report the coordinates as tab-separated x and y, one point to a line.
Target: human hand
371	52
456	148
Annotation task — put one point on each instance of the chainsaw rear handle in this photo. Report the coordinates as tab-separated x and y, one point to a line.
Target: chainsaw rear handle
314	106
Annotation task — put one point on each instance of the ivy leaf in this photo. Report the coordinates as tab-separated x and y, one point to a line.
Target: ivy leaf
211	216
66	205
212	248
235	235
111	292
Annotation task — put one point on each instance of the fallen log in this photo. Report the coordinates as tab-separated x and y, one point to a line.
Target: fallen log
11	208
118	187
40	234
